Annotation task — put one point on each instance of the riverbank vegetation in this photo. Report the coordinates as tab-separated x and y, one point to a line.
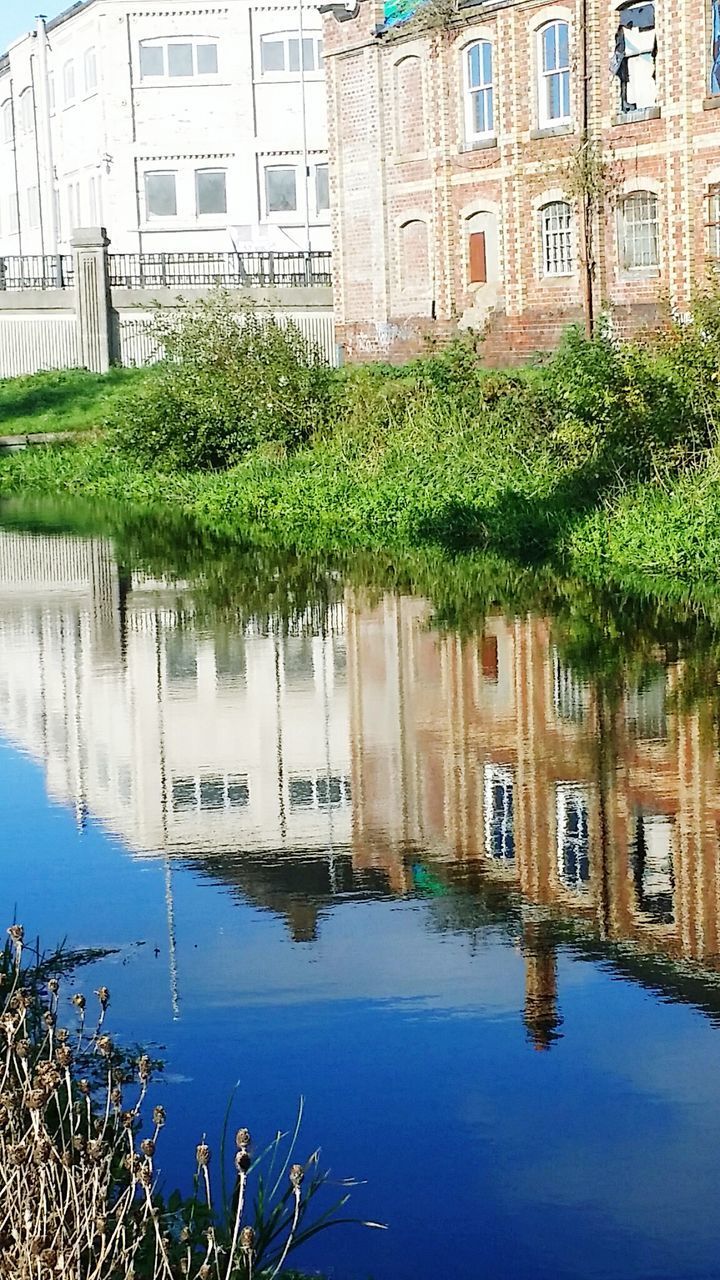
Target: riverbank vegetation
603	458
81	1145
63	400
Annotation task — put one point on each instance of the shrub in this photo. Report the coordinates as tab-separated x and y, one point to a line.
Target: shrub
231	378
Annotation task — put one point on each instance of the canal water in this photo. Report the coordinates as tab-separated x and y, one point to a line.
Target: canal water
444	864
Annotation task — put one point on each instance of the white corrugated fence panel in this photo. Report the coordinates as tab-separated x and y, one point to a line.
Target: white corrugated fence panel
29	343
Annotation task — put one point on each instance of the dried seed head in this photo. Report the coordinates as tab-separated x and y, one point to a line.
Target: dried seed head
147	1146
79	1001
297	1173
53	986
42	1151
80	1143
36	1100
84	1087
116	1095
94	1150
144	1068
100	1225
3	1117
202	1154
104	1046
49	1258
49	1019
22	1048
204	1272
103	996
16	933
18	1154
127	1118
242	1138
63	1056
159	1117
144	1175
247	1239
62	1035
242	1162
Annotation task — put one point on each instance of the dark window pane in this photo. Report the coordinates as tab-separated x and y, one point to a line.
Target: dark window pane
211	192
183	795
212	793
160	195
238	792
301	793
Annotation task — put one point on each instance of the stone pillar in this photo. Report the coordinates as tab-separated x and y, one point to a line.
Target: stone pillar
92	297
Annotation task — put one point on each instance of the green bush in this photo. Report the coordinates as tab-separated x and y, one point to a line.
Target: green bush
230	379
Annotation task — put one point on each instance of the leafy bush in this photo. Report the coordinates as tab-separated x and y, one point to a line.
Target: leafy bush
231	379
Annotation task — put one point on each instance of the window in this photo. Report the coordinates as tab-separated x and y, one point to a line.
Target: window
33	207
94	200
322	188
6	118
410	133
160	195
713	222
69	82
90	70
573	835
27	111
210	792
74	205
639	231
715	48
554	65
281	189
479	114
498	788
652	867
210	192
556	239
646	709
178	59
633	61
319	792
11	208
280	53
570	695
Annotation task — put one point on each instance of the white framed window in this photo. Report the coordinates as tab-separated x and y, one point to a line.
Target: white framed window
556	238
281	189
573	835
713	222
639	228
11	208
90	70
180	59
94	214
69	82
210	791
479	105
322	188
74	205
498	812
652	866
280	53
161	194
319	791
6	120
27	111
33	207
210	192
553	74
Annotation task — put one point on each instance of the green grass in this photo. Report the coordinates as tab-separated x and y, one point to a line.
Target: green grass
62	400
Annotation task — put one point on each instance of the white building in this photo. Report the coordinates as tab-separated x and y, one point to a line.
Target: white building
178	127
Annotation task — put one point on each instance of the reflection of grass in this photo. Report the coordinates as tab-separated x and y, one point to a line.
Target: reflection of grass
62	400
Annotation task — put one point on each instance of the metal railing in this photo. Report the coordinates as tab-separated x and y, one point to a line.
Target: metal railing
37	271
234	270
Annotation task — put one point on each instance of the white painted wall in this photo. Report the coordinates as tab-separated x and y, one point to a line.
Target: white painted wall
105	137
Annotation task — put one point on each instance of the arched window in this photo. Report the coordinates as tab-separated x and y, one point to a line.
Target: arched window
409	97
478	78
640	231
414	258
556	239
554	74
6	120
27	112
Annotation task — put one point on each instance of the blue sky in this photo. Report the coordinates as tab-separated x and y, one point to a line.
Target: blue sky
17	16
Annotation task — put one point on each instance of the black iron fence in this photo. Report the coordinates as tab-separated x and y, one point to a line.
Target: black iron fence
37	271
233	270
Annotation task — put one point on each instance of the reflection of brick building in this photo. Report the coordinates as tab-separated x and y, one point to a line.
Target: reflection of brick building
449	153
493	750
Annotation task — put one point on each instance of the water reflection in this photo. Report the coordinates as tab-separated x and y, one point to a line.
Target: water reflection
354	751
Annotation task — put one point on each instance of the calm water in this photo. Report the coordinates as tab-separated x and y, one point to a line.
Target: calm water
462	892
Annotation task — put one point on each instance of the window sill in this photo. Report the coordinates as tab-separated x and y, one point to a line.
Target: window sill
633	117
478	144
406	157
561	277
712	102
553	131
630	274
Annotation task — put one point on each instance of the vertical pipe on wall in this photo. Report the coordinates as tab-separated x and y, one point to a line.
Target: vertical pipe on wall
15	168
303	107
586	200
38	173
48	187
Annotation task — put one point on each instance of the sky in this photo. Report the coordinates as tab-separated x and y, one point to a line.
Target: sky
17	16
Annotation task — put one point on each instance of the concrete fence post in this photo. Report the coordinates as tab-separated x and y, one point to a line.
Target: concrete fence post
92	297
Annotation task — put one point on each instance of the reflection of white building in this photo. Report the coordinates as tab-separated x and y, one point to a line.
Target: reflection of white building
178	127
178	740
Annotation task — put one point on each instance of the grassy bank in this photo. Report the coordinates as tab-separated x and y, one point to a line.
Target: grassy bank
603	460
62	400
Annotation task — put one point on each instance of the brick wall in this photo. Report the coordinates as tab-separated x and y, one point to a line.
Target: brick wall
412	178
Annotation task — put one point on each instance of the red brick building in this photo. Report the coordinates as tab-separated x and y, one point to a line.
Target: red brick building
452	153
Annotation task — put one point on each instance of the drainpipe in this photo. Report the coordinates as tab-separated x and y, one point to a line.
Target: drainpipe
37	156
586	211
15	168
306	171
44	111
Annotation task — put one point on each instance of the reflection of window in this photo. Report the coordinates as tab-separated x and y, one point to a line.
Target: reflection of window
210	792
646	711
281	189
210	191
319	791
652	866
634	59
554	65
298	662
639	230
181	656
499	840
573	835
178	59
556	238
489	657
570	696
230	659
479	117
339	653
280	53
160	195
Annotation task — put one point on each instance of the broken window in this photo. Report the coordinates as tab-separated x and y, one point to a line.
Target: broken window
715	48
635	55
